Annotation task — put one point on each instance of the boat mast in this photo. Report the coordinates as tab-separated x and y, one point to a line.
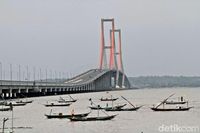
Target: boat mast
164	101
4	121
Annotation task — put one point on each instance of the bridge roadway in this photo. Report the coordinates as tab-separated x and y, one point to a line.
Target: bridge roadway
86	77
91	80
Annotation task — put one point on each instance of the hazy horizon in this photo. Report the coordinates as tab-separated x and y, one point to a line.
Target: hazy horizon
158	37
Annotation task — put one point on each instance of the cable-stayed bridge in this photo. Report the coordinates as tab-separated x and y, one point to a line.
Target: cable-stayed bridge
109	76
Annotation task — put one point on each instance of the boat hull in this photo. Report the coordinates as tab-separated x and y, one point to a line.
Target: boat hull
171	109
5	109
105	108
65	101
124	109
16	104
57	105
61	116
109	99
183	102
25	101
103	118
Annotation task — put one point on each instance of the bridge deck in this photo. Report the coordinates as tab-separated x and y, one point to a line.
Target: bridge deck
86	77
91	80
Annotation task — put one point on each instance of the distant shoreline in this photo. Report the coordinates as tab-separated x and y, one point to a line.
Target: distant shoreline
164	82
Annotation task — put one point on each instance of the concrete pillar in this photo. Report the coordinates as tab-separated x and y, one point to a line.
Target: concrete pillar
3	95
14	95
90	86
9	95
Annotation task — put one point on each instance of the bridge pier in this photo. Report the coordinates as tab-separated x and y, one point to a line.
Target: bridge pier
14	92
58	90
49	90
10	94
53	92
5	93
43	90
23	90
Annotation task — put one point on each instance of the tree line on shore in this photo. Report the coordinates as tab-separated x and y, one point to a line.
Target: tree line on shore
164	81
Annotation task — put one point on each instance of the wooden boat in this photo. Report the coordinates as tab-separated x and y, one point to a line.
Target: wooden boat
109	99
57	104
175	102
98	118
2	102
66	101
62	100
99	107
24	100
124	109
133	108
179	101
61	115
5	109
27	101
15	104
179	108
172	109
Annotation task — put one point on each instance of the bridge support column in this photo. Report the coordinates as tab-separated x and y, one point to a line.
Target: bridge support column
90	86
10	93
3	95
14	93
7	95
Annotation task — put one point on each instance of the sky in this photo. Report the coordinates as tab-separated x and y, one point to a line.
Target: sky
159	37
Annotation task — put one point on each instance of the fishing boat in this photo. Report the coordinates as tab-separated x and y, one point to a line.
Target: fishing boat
62	100
133	108
180	101
97	107
5	108
2	102
24	99
61	115
27	101
177	108
108	99
124	109
94	118
107	107
57	104
15	104
175	102
98	118
66	101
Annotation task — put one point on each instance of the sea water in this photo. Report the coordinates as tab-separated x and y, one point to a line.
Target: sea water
31	118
